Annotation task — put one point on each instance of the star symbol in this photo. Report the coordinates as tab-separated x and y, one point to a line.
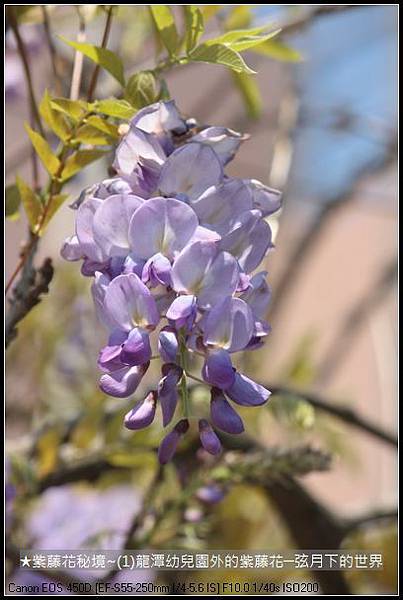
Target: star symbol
25	562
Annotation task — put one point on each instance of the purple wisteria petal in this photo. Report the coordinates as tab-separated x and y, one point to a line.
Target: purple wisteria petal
208	437
218	370
183	311
113	186
253	248
211	493
168	344
138	148
142	415
235	240
229	325
129	303
225	142
161	225
84	230
219	206
111	223
160	119
170	442
247	392
136	349
202	270
98	290
223	416
258	295
157	271
189	171
265	199
133	264
168	391
71	249
123	382
202	234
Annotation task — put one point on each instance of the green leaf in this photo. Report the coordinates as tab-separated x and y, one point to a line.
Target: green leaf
121	109
75	109
141	89
221	55
13	201
54	206
194	26
53	118
236	35
165	24
103	57
102	125
30	201
243	39
44	151
87	134
279	51
250	93
77	161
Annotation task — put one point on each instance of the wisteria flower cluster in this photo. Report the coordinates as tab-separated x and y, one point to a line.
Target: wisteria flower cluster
173	245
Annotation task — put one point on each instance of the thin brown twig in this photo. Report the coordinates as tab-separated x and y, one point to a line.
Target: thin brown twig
78	60
105	38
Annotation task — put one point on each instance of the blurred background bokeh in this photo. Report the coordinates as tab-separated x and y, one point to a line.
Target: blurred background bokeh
322	115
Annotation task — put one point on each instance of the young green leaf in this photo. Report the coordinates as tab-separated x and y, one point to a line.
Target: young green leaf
141	89
220	54
54	206
103	57
250	93
243	39
194	26
54	118
13	201
278	50
108	128
74	109
87	134
165	24
77	161
120	109
44	151
30	201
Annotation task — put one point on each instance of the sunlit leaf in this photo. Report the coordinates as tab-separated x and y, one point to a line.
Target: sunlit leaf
103	57
13	201
77	161
75	109
121	109
250	93
194	26
48	451
87	134
44	151
141	89
165	24
30	201
54	205
102	125
54	118
278	50
220	54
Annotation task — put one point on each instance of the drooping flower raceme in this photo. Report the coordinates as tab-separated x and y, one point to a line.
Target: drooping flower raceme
174	246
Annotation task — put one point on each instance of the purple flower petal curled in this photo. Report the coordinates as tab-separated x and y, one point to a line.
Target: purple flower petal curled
247	392
129	303
225	142
142	415
258	295
160	119
229	325
136	350
189	171
223	416
111	223
138	148
84	230
265	199
170	442
157	271
168	344
71	249
208	437
183	311
202	270
218	370
123	382
161	225
168	392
